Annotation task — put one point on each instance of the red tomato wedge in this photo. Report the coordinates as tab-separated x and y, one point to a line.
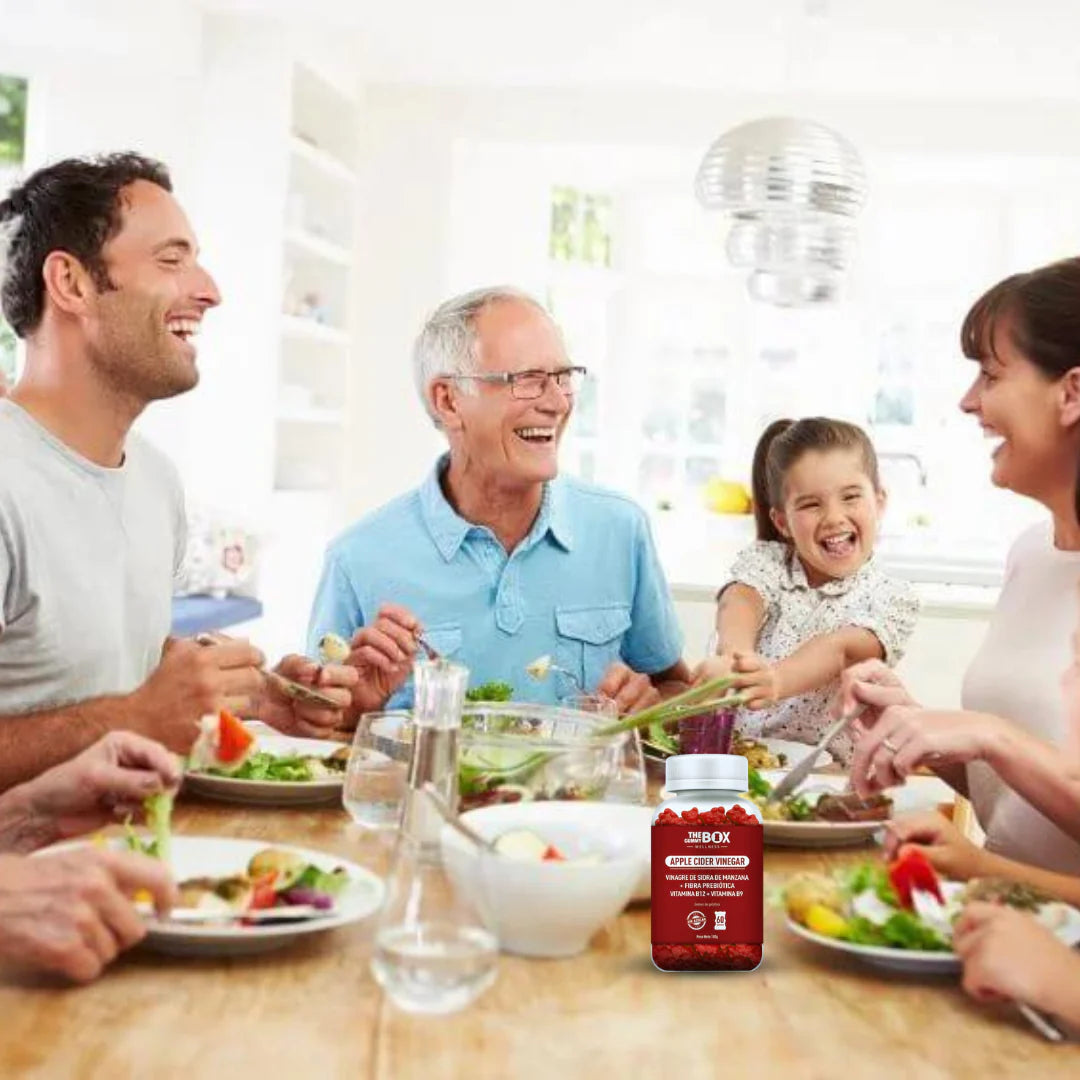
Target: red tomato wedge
234	740
553	854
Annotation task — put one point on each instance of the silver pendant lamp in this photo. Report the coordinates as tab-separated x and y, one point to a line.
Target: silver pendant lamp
792	189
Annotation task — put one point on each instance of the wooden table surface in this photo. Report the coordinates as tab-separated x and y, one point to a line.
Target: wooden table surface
312	1010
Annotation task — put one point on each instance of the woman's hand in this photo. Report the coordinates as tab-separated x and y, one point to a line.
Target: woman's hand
903	737
870	686
106	782
1009	956
950	852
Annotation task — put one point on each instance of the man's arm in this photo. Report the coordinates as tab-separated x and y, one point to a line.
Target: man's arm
821	660
33	742
190	681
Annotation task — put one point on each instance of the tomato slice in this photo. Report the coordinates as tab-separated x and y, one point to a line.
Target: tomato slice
553	854
233	738
263	895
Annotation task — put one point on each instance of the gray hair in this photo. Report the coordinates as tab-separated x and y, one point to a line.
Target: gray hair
447	343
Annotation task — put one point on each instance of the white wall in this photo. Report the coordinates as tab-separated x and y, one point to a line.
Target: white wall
420	144
208	95
111	75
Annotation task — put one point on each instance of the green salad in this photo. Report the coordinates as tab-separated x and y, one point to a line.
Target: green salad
158	812
490	691
286	768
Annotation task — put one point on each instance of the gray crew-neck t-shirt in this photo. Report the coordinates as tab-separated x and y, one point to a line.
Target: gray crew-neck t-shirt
88	556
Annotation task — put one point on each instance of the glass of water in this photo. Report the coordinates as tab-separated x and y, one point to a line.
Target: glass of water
629	784
377	774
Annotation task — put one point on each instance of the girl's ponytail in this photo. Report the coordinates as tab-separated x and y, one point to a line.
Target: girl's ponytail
759	481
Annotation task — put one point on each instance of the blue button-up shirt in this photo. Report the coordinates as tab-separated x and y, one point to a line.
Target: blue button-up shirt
585	587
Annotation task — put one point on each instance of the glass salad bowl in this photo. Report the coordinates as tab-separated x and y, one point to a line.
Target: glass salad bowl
513	753
518	752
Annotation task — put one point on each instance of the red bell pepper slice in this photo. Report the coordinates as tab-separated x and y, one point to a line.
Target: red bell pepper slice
911	871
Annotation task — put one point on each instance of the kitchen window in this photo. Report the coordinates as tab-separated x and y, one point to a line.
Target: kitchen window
13	99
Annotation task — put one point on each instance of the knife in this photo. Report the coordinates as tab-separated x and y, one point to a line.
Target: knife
800	772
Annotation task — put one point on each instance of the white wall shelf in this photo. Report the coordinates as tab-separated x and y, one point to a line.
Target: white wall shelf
298	327
310	243
319	153
323	417
321	160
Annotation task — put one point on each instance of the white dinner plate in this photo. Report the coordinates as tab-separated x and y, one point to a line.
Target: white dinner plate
215	856
919	793
273	792
795	752
1063	920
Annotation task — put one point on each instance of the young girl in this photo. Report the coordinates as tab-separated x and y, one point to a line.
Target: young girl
806	600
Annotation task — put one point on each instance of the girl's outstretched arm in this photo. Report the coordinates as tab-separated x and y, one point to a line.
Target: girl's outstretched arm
814	664
740	612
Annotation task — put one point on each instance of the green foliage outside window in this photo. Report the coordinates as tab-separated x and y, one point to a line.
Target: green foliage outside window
13	91
7	351
12	119
580	227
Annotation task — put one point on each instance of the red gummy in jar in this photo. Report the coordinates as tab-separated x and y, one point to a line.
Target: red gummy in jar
707	854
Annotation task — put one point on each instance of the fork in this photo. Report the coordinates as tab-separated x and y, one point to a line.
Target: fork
430	652
289	687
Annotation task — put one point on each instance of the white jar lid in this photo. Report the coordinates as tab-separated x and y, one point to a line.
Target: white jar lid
686	772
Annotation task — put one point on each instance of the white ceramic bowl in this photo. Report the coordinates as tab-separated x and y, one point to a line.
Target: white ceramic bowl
549	909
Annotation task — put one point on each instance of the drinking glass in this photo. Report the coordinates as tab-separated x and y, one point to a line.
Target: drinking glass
376	776
629	784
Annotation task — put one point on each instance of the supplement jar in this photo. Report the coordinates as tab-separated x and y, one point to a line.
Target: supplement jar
707	863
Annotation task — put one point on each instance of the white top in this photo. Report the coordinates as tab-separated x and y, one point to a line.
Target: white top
1017	674
87	561
795	612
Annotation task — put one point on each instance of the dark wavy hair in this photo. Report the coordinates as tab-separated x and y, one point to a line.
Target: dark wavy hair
781	445
1043	311
74	206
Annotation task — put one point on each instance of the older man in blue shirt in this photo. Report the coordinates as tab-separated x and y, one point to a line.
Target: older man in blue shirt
495	558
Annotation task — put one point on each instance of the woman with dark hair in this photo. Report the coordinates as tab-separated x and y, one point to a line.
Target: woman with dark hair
1011	750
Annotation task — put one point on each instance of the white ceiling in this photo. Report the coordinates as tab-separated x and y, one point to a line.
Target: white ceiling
964	49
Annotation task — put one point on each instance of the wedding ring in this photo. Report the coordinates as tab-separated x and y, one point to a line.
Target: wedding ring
890	745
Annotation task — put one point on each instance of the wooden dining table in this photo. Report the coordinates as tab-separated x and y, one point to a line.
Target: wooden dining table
312	1009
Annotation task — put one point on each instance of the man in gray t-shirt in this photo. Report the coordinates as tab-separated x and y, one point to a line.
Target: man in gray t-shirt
87	559
103	283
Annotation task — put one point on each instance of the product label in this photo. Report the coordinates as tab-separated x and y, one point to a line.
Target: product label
707	884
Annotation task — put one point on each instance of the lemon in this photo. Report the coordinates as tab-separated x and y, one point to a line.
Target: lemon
825	921
726	497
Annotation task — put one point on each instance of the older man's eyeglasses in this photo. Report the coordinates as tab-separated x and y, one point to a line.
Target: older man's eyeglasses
528	385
